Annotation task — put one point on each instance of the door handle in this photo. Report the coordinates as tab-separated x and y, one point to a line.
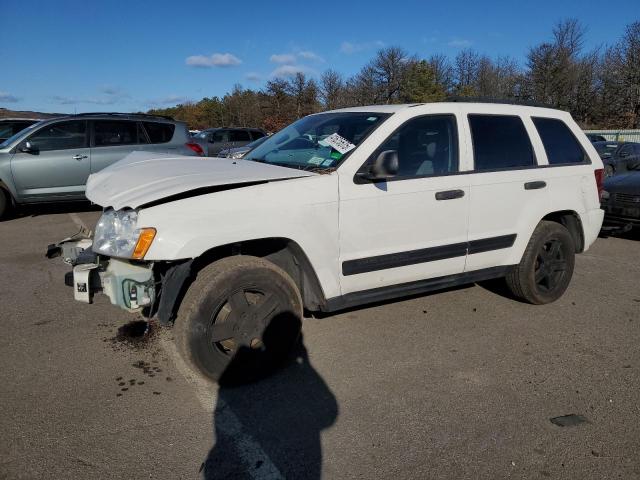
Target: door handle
535	185
79	157
449	194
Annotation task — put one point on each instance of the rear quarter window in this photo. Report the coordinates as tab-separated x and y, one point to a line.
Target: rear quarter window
159	132
560	144
500	142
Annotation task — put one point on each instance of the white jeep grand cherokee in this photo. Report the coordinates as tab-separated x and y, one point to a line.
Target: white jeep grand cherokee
340	209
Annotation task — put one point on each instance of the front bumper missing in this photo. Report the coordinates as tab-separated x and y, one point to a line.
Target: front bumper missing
128	285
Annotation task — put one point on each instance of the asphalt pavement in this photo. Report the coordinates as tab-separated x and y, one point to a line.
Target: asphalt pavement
457	384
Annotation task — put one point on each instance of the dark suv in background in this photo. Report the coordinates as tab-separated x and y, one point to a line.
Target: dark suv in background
213	140
51	160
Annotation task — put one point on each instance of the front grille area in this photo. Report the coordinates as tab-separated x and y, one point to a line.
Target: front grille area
627	198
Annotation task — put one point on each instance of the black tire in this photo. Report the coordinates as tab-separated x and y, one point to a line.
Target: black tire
5	204
239	320
546	268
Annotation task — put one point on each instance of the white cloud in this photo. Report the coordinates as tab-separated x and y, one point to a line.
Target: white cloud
460	43
285	71
8	98
349	48
169	100
253	77
64	100
309	55
109	95
214	60
283	58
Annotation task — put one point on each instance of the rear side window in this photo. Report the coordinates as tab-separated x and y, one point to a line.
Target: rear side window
220	136
500	142
159	132
61	136
256	134
559	143
112	133
239	136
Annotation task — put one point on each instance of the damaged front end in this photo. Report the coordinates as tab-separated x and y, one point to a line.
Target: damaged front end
128	284
153	288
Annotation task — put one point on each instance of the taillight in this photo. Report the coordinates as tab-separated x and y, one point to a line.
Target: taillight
196	148
599	173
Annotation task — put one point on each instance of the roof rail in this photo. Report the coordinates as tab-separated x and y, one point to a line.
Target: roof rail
506	101
121	114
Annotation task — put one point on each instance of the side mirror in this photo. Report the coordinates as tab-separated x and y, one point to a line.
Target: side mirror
384	167
28	147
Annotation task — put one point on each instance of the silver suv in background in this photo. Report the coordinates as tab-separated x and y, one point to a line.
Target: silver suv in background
10	126
213	140
51	160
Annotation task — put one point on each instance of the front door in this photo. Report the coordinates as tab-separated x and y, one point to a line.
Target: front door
414	226
58	164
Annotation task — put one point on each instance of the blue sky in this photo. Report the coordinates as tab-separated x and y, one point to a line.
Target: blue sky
66	56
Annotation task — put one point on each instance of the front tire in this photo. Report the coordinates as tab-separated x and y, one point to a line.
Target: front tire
239	320
546	268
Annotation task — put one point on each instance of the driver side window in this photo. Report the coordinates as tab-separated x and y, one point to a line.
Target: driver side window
61	136
427	146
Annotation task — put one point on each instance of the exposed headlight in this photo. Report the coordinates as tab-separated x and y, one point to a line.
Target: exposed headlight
117	235
604	195
237	155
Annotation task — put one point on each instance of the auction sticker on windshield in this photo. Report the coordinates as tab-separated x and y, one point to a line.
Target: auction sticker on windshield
341	144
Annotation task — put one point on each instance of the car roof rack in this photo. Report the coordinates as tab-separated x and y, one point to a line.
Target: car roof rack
120	114
505	101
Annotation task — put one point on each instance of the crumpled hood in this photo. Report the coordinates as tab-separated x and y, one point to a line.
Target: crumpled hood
144	177
624	183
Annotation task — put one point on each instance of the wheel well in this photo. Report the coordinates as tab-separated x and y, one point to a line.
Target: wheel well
283	252
571	221
5	188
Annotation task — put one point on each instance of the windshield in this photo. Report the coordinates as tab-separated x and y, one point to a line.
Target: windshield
318	141
21	133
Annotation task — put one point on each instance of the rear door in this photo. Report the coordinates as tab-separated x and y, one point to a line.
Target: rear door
509	194
112	140
58	166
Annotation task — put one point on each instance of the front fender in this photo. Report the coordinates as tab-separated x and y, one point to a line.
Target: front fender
304	210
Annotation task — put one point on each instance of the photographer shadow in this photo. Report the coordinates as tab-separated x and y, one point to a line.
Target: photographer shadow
272	426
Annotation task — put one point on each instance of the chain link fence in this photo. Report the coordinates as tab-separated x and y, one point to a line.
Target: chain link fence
618	135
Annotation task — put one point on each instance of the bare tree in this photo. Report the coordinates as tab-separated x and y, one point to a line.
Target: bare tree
466	65
388	69
331	89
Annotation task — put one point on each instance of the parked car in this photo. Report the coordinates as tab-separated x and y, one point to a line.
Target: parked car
617	156
51	160
240	152
213	140
594	137
621	198
338	210
10	126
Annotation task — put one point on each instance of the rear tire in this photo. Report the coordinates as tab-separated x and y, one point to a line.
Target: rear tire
239	320
5	204
546	268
